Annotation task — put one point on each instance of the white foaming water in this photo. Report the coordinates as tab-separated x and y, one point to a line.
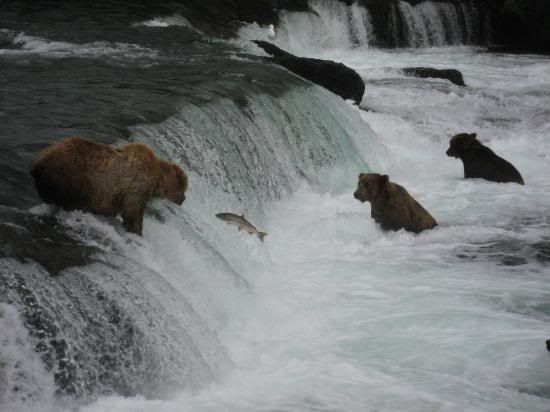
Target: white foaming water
331	313
29	45
333	25
328	25
167	21
23	377
338	315
175	20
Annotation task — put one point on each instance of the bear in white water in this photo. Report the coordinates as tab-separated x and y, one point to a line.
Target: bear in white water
480	161
391	205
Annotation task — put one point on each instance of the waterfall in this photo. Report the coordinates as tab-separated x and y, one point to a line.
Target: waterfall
431	23
473	22
109	313
416	27
334	25
328	25
394	29
259	147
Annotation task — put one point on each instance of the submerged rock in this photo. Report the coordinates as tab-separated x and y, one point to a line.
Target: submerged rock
336	77
40	239
453	75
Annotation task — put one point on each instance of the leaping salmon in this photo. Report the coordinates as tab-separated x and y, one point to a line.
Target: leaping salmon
241	223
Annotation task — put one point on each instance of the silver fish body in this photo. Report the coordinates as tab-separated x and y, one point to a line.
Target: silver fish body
241	223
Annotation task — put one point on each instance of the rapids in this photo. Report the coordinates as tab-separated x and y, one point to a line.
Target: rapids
329	313
345	317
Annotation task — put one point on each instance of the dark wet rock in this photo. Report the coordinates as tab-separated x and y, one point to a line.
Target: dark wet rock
35	238
336	77
453	75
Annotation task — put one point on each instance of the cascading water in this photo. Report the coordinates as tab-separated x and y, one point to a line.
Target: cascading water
439	23
124	316
333	25
328	25
394	29
263	155
330	313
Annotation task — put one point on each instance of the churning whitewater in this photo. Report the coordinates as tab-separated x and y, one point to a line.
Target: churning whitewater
329	313
341	316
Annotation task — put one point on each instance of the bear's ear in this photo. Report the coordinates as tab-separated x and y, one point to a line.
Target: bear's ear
468	141
382	183
361	175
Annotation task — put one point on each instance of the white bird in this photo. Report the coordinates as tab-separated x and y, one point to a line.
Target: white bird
271	32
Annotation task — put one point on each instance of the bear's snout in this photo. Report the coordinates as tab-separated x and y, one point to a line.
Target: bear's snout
358	196
451	152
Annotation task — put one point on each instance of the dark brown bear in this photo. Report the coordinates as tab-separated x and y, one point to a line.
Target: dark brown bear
391	205
77	173
480	161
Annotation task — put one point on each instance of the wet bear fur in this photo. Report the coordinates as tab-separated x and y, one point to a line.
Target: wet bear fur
481	162
80	174
391	205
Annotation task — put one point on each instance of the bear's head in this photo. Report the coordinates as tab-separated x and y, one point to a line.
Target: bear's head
173	184
461	143
370	186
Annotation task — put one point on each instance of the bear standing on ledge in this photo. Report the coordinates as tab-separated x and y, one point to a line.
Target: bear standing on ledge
480	161
77	173
391	205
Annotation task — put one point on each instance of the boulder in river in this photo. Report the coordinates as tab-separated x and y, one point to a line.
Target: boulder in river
336	77
453	75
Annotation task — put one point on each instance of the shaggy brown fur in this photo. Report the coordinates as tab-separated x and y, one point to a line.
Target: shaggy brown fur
480	161
77	173
391	205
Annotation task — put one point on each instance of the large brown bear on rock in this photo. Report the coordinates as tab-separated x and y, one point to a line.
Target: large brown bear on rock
391	205
77	173
480	161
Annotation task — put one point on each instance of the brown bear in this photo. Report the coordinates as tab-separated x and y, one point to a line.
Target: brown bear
391	205
480	161
77	173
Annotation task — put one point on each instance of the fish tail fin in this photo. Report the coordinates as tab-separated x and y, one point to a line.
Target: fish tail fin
261	235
